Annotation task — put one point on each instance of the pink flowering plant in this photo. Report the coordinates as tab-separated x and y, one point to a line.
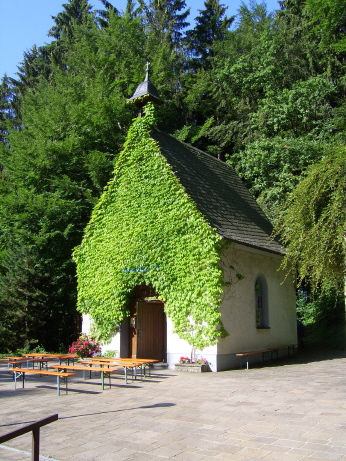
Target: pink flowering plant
197	361
85	347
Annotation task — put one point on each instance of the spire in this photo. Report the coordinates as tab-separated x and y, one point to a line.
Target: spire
145	92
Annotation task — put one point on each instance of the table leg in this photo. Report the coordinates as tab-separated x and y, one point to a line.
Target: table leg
17	375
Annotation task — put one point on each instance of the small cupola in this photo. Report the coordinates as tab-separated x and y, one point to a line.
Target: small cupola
145	92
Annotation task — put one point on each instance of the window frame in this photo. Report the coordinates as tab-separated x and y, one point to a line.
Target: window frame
261	303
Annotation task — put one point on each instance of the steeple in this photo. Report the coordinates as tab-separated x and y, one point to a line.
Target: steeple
145	92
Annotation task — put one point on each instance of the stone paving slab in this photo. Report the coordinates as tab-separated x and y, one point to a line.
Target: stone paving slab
291	410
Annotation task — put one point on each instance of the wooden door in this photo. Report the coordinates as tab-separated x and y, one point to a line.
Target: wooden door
151	331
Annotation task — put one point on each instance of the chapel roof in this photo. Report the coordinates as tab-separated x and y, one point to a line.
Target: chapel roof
145	92
219	194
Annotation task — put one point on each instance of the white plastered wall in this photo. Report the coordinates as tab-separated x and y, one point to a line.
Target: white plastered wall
238	304
113	345
177	348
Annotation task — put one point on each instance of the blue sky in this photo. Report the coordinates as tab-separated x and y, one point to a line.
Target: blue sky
24	23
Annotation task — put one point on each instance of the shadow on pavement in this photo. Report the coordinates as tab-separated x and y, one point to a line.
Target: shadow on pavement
303	356
155	405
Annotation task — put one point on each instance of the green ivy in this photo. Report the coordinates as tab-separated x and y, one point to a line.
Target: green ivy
146	229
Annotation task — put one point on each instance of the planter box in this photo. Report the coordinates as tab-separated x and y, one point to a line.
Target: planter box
191	367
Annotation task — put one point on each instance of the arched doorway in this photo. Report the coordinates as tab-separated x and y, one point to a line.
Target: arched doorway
148	326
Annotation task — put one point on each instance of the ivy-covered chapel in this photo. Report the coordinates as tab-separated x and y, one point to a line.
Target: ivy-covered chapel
178	259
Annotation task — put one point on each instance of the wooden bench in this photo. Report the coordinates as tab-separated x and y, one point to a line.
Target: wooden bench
266	353
60	375
18	362
61	357
104	371
290	348
131	364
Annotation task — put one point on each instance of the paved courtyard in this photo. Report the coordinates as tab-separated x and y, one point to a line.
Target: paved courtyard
294	409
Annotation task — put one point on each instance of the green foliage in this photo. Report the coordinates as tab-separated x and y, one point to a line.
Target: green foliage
296	111
52	171
111	354
211	26
272	167
29	349
145	229
313	221
324	316
329	20
75	12
164	20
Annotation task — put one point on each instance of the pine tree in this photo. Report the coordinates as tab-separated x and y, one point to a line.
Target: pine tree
211	27
75	13
164	21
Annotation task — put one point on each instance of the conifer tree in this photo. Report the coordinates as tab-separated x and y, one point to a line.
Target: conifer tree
211	26
75	13
165	20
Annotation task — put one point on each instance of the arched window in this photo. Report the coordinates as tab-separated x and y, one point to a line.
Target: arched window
261	303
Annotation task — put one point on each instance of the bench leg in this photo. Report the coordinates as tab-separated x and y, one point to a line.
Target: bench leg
18	375
241	363
266	354
291	348
64	380
103	379
274	351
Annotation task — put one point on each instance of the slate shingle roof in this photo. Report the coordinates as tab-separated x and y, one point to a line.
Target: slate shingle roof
147	92
219	194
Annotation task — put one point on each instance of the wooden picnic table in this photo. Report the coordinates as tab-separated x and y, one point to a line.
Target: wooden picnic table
126	363
104	371
106	363
140	362
18	361
60	357
60	375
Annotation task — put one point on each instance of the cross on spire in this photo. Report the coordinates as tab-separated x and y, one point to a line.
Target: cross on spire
147	71
145	92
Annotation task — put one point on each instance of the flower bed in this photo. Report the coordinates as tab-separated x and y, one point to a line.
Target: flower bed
195	366
192	367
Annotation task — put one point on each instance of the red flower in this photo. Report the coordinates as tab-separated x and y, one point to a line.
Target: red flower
84	347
